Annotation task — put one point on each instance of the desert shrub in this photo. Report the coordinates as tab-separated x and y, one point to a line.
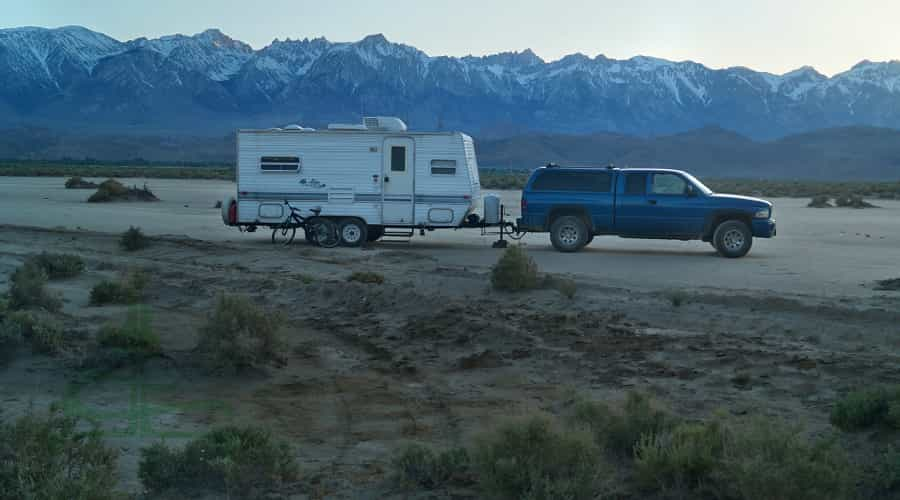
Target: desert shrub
887	470
820	201
566	287
852	201
682	458
514	271
533	459
10	333
677	298
750	459
28	289
43	333
888	285
128	290
417	465
135	335
49	457
108	190
79	183
58	265
133	239
878	406
366	277
619	430
239	334
240	462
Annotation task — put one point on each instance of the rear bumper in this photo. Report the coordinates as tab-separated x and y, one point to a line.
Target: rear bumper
764	228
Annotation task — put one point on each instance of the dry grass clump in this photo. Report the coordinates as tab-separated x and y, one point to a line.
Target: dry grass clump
240	334
868	408
515	271
852	201
366	277
135	335
125	291
820	201
79	183
419	466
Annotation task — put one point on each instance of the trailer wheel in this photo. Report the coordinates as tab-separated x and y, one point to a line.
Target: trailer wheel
568	233
352	232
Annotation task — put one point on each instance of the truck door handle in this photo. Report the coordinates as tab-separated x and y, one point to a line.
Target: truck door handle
652	202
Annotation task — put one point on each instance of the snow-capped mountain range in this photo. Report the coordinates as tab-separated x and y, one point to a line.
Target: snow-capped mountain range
208	83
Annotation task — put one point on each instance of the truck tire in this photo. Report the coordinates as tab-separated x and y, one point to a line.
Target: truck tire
733	239
352	232
569	233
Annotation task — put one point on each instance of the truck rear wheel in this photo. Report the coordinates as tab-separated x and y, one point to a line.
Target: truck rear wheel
352	232
733	239
568	233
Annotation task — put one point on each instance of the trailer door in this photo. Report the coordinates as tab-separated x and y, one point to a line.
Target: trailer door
398	181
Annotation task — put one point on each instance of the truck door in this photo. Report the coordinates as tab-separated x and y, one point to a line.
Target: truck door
678	211
634	210
398	181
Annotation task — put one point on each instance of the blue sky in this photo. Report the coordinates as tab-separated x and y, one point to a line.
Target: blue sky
769	35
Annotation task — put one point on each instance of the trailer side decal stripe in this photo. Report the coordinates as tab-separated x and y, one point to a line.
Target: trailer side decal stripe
285	196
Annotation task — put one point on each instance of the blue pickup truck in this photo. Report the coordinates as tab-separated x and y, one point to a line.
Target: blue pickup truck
576	204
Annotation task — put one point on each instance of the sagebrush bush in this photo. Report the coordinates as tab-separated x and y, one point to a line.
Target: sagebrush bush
619	429
40	330
887	470
515	270
417	465
536	460
134	335
240	462
46	458
133	239
745	460
28	289
239	334
366	277
877	406
128	290
58	265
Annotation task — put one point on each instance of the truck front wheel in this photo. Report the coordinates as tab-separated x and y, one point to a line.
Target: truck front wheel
569	233
733	239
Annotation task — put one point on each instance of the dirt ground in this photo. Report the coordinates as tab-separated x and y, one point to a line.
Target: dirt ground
433	354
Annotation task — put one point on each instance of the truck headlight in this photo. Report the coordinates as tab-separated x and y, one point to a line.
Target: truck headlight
764	213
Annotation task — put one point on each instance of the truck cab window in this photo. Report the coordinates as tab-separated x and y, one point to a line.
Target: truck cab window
669	184
636	184
586	182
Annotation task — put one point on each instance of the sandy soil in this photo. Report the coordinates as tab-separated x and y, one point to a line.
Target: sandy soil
434	354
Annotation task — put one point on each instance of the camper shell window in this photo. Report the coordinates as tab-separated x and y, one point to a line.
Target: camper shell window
443	167
279	163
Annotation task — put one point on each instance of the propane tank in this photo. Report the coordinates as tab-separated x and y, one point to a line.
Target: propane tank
492	214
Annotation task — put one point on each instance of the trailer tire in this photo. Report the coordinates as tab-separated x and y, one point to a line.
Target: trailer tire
733	239
568	233
352	232
374	233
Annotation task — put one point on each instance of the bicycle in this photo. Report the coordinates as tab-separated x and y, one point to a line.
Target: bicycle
319	230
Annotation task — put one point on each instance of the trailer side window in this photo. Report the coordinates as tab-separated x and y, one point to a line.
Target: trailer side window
279	163
398	159
443	167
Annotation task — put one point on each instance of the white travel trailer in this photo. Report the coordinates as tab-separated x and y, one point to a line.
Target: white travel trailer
366	177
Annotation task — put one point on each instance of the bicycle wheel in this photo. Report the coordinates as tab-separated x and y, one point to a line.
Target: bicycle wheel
284	235
324	232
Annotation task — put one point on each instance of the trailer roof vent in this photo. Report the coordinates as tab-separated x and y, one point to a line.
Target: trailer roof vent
384	123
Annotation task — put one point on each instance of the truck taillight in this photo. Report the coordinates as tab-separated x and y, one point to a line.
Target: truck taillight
524	204
232	213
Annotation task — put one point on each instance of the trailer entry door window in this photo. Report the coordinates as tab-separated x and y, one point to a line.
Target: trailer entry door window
279	163
586	182
443	167
398	159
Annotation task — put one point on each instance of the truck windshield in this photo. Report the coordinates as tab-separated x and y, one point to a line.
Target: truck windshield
699	185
